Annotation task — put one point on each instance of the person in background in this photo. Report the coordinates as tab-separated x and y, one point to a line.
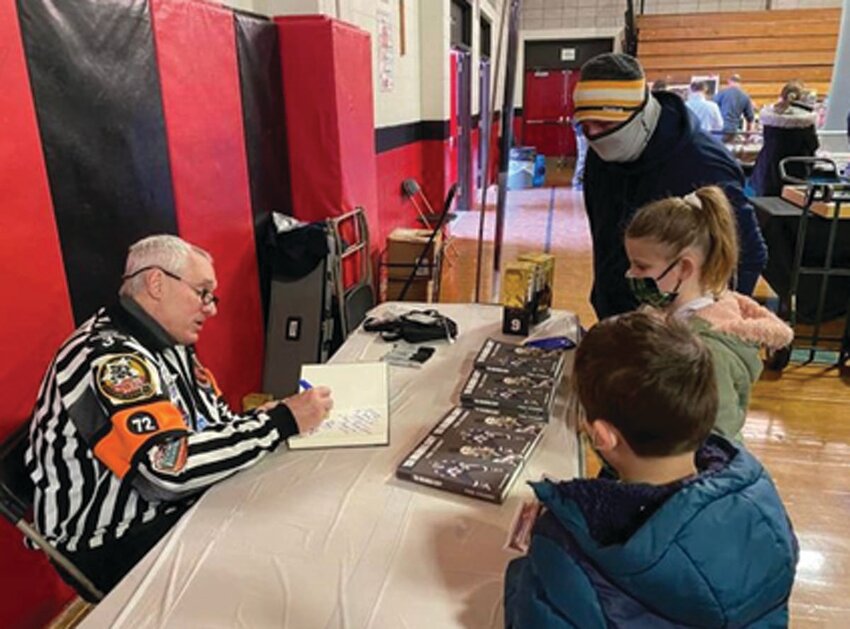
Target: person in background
645	147
659	85
734	104
706	111
129	427
691	530
682	255
789	128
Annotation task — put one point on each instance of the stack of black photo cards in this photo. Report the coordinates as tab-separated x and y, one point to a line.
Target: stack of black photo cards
478	449
515	379
473	452
498	357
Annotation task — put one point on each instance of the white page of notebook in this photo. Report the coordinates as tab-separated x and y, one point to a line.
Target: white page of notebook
360	414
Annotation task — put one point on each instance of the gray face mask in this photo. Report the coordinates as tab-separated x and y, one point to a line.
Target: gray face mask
626	143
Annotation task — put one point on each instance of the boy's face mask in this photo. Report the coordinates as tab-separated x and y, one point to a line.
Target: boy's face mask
626	142
646	290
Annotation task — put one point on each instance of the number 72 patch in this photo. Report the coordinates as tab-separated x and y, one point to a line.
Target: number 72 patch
131	432
142	423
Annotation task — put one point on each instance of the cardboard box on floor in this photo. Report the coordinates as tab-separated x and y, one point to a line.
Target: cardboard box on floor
421	289
404	246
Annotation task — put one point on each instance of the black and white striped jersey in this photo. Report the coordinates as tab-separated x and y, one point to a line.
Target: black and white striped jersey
129	426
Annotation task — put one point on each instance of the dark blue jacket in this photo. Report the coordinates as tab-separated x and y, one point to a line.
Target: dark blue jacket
734	103
678	159
718	552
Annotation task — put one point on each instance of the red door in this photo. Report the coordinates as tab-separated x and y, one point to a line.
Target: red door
451	174
547	112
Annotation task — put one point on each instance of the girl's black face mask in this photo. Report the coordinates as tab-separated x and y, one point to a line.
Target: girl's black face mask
646	290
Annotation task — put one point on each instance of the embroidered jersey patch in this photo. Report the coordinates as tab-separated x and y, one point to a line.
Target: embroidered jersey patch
125	378
204	377
169	457
108	338
133	426
142	423
201	374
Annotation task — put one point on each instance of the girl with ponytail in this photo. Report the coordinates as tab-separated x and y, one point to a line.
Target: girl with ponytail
683	252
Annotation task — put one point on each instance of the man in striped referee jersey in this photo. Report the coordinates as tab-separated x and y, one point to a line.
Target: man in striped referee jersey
129	427
643	147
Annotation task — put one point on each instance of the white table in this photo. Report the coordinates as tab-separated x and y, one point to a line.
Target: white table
331	538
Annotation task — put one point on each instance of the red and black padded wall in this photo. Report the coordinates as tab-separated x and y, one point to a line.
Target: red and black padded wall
125	118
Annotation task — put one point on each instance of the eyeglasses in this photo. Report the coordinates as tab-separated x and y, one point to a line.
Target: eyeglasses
204	294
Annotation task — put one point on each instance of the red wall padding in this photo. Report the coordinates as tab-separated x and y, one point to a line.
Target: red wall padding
35	311
327	86
35	306
199	75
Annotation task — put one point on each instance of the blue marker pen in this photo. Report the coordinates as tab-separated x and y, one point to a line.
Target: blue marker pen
305	385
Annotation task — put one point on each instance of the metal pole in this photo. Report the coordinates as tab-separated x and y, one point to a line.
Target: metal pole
507	139
486	156
839	90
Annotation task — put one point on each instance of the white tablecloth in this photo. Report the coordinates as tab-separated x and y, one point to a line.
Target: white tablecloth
331	538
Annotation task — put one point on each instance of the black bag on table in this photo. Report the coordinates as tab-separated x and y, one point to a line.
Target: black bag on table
414	326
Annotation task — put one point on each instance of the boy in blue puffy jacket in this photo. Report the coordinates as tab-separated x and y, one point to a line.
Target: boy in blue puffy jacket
692	532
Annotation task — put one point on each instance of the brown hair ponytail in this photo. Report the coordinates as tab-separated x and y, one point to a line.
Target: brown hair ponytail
721	255
703	220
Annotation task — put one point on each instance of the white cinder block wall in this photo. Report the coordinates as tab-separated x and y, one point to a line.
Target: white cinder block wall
559	14
552	14
421	75
434	33
713	6
401	102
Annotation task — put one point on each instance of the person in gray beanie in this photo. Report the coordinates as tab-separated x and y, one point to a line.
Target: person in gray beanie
643	147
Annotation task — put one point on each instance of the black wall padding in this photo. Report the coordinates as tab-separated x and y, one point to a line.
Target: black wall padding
265	130
92	68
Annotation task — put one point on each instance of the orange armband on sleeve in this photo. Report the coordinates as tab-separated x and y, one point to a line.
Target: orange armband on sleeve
132	428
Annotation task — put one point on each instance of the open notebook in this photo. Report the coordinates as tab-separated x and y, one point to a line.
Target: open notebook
361	412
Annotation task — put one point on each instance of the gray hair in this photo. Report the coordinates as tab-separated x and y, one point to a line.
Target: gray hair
163	250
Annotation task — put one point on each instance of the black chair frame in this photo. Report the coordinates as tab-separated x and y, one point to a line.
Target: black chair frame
16	498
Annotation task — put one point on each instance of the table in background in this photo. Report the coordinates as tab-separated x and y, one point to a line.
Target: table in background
778	220
330	538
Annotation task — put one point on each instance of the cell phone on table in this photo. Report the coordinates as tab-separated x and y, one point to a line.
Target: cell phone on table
552	343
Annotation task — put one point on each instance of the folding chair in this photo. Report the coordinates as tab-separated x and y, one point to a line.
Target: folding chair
356	300
411	189
442	217
16	497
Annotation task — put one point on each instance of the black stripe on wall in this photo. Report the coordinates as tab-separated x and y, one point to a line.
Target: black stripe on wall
476	119
389	138
261	84
96	89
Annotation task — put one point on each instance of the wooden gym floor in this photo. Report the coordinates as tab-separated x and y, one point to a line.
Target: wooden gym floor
798	423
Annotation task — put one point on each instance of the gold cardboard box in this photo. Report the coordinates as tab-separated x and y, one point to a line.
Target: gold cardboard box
545	276
518	284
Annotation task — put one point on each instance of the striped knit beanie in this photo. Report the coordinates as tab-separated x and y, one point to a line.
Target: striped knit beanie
612	87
